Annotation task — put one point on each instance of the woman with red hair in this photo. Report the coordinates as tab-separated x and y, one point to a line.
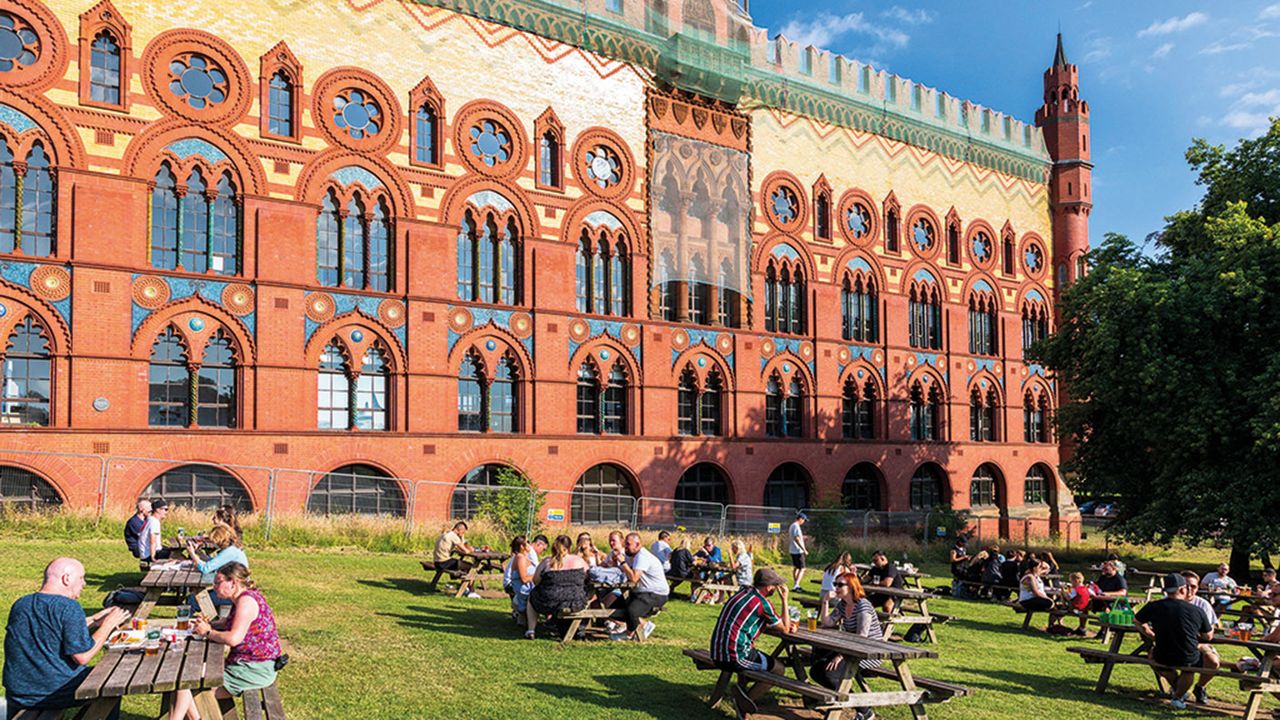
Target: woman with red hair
852	613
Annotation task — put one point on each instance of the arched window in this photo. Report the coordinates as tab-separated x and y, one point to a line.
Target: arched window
698	408
195	228
487	404
784	299
549	159
1035	417
468	494
599	291
699	293
860	306
1009	256
787	487
924	316
925	412
614	406
982	415
822	215
27	376
891	231
784	414
926	488
953	243
1036	486
104	69
280	104
504	400
858	410
603	495
357	490
983	324
700	494
426	148
1035	325
199	487
709	404
796	303
588	410
23	490
488	258
771	299
687	403
582	273
193	224
602	274
224	236
170	382
982	488
216	396
371	391
353	243
27	195
861	489
333	390
470	395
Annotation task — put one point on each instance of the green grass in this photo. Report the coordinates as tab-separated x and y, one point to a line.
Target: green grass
368	640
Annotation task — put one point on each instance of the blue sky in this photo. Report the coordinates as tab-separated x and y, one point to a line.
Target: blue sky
1156	75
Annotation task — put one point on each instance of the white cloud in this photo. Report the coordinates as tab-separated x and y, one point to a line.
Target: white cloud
1270	98
1252	112
910	17
1254	35
1237	88
823	28
1099	50
1162	51
1174	24
1270	12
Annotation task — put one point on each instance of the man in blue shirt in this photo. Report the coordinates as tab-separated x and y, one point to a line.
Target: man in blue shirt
133	528
48	641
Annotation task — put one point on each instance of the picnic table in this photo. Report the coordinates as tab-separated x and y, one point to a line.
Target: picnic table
717	578
477	566
1257	684
910	579
192	664
587	617
163	579
919	605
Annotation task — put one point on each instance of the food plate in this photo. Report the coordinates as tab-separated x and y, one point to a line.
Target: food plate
126	639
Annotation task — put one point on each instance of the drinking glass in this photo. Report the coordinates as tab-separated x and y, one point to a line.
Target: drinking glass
184	617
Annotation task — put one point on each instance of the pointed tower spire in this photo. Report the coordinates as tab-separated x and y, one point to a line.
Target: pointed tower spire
1060	57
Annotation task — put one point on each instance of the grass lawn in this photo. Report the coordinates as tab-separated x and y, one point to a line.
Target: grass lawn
368	640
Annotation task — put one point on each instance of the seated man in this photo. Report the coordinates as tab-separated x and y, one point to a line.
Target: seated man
1221	585
133	528
661	549
1193	597
882	574
453	541
1112	584
709	552
49	641
651	591
151	545
1181	633
741	620
1268	581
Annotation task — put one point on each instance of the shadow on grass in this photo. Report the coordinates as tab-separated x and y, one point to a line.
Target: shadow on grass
651	696
106	582
413	586
473	621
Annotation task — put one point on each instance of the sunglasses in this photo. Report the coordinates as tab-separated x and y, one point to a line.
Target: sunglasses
840	585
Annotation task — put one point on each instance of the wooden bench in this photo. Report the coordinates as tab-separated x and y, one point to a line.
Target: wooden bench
36	715
263	704
1055	613
1256	685
430	566
694	584
938	691
587	615
707	590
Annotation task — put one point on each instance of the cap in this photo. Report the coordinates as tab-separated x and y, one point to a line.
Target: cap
159	504
1174	582
802	516
766	577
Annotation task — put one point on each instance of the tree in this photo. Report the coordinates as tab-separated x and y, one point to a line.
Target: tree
1171	364
515	506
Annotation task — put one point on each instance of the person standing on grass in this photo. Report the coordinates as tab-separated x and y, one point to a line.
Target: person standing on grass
453	541
1181	634
1193	597
798	549
733	641
151	545
48	641
133	528
651	591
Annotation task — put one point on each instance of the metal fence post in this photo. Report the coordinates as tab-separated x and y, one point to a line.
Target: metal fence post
528	518
724	517
408	516
926	526
866	523
102	489
271	504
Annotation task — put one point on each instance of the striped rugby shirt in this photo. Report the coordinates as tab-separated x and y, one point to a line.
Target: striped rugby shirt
743	617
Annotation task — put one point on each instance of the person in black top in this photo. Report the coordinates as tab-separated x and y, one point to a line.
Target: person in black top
682	560
1011	572
134	527
1113	586
960	557
882	574
1181	633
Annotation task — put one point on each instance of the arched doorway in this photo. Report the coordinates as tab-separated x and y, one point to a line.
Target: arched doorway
199	487
603	495
21	489
788	487
861	488
357	490
701	494
928	488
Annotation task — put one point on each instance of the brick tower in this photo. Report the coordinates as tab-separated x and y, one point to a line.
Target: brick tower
1064	118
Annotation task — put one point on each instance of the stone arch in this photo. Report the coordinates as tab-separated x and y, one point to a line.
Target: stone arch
798	367
912	275
871	373
56	329
340	329
195	337
147	149
40	476
1001	482
50	124
853	254
504	342
576	217
455	200
144	474
313	178
764	251
972	284
689	357
730	490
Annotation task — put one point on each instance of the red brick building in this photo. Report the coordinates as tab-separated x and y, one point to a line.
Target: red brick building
624	267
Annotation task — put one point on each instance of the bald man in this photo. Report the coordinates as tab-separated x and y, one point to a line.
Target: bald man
49	641
133	528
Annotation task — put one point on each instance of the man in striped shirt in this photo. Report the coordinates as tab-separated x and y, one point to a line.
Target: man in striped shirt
741	620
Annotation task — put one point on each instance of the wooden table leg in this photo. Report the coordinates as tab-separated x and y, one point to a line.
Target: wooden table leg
909	684
207	705
924	612
465	583
149	600
99	709
572	631
722	687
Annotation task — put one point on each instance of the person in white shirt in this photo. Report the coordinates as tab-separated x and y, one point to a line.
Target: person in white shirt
661	549
651	590
1220	582
150	544
1193	585
798	549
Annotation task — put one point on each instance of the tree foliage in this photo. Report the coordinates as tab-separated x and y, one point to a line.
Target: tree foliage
1171	363
515	506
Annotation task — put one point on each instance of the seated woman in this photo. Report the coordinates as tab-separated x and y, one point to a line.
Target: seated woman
681	561
559	584
250	632
228	551
839	567
853	613
588	551
1031	594
742	563
226	515
522	570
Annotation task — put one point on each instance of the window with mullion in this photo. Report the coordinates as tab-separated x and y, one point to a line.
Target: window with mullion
466	258
37	204
216	393
773	407
588	400
709	417
471	392
687	404
379	233
796	304
508	281
371	392
503	401
599	291
619	281
224	239
614	406
353	245
792	409
8	199
104	70
27	377
581	274
982	489
169	396
486	252
424	149
770	300
280	104
195	225
333	391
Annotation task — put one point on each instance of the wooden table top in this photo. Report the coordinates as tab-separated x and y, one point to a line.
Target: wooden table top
850	645
197	665
866	567
173	579
1262	647
899	592
487	555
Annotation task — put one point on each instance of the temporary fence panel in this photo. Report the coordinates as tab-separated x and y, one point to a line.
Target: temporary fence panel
196	485
690	515
562	508
32	480
757	519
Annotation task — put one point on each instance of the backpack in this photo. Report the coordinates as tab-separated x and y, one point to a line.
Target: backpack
124	597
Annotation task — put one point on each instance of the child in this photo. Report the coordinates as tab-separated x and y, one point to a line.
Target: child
1079	597
838	567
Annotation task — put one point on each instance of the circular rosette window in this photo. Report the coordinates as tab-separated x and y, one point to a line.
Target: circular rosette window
855	218
197	76
356	110
33	46
602	164
489	139
784	203
1033	257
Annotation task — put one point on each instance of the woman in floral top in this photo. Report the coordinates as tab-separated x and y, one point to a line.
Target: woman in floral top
250	632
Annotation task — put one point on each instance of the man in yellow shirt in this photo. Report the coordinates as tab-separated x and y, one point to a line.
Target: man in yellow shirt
449	543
